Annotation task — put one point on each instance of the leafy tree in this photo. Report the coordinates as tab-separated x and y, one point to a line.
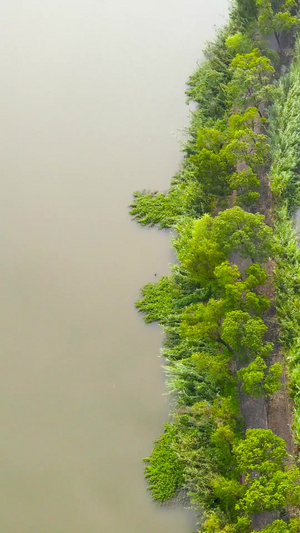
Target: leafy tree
158	300
236	291
227	273
256	276
225	410
257	379
228	491
244	233
279	526
201	259
273	21
244	334
239	42
271	492
260	451
247	145
164	469
272	381
198	250
204	321
252	75
247	184
222	439
270	484
205	243
216	366
184	198
212	162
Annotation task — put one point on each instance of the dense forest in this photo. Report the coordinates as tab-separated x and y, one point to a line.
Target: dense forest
230	308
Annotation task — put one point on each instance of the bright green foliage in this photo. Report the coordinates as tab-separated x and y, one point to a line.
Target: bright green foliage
279	526
245	144
244	334
218	153
215	523
198	250
246	183
228	491
273	21
184	198
223	439
271	492
270	484
261	451
158	300
236	291
201	259
227	274
256	275
272	381
202	247
239	42
217	366
212	162
164	301
204	321
257	379
238	331
164	470
252	75
243	233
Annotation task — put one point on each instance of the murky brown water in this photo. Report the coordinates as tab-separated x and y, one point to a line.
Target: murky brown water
90	92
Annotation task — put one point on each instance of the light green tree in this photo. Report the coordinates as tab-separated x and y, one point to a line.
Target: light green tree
238	293
245	233
212	162
260	451
239	42
252	75
279	526
268	493
204	321
244	334
275	21
204	244
257	379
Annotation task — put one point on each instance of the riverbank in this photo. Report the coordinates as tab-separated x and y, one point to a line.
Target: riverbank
223	309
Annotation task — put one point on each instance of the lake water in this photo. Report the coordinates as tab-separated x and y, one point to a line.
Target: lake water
92	101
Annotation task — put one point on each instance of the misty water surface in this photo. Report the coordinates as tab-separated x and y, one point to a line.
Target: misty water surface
92	101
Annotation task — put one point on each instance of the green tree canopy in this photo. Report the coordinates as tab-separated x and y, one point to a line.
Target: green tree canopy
279	526
252	75
276	17
164	469
267	493
258	379
260	451
204	321
244	334
244	233
204	244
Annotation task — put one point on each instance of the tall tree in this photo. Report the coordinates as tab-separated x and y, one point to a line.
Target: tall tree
276	18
